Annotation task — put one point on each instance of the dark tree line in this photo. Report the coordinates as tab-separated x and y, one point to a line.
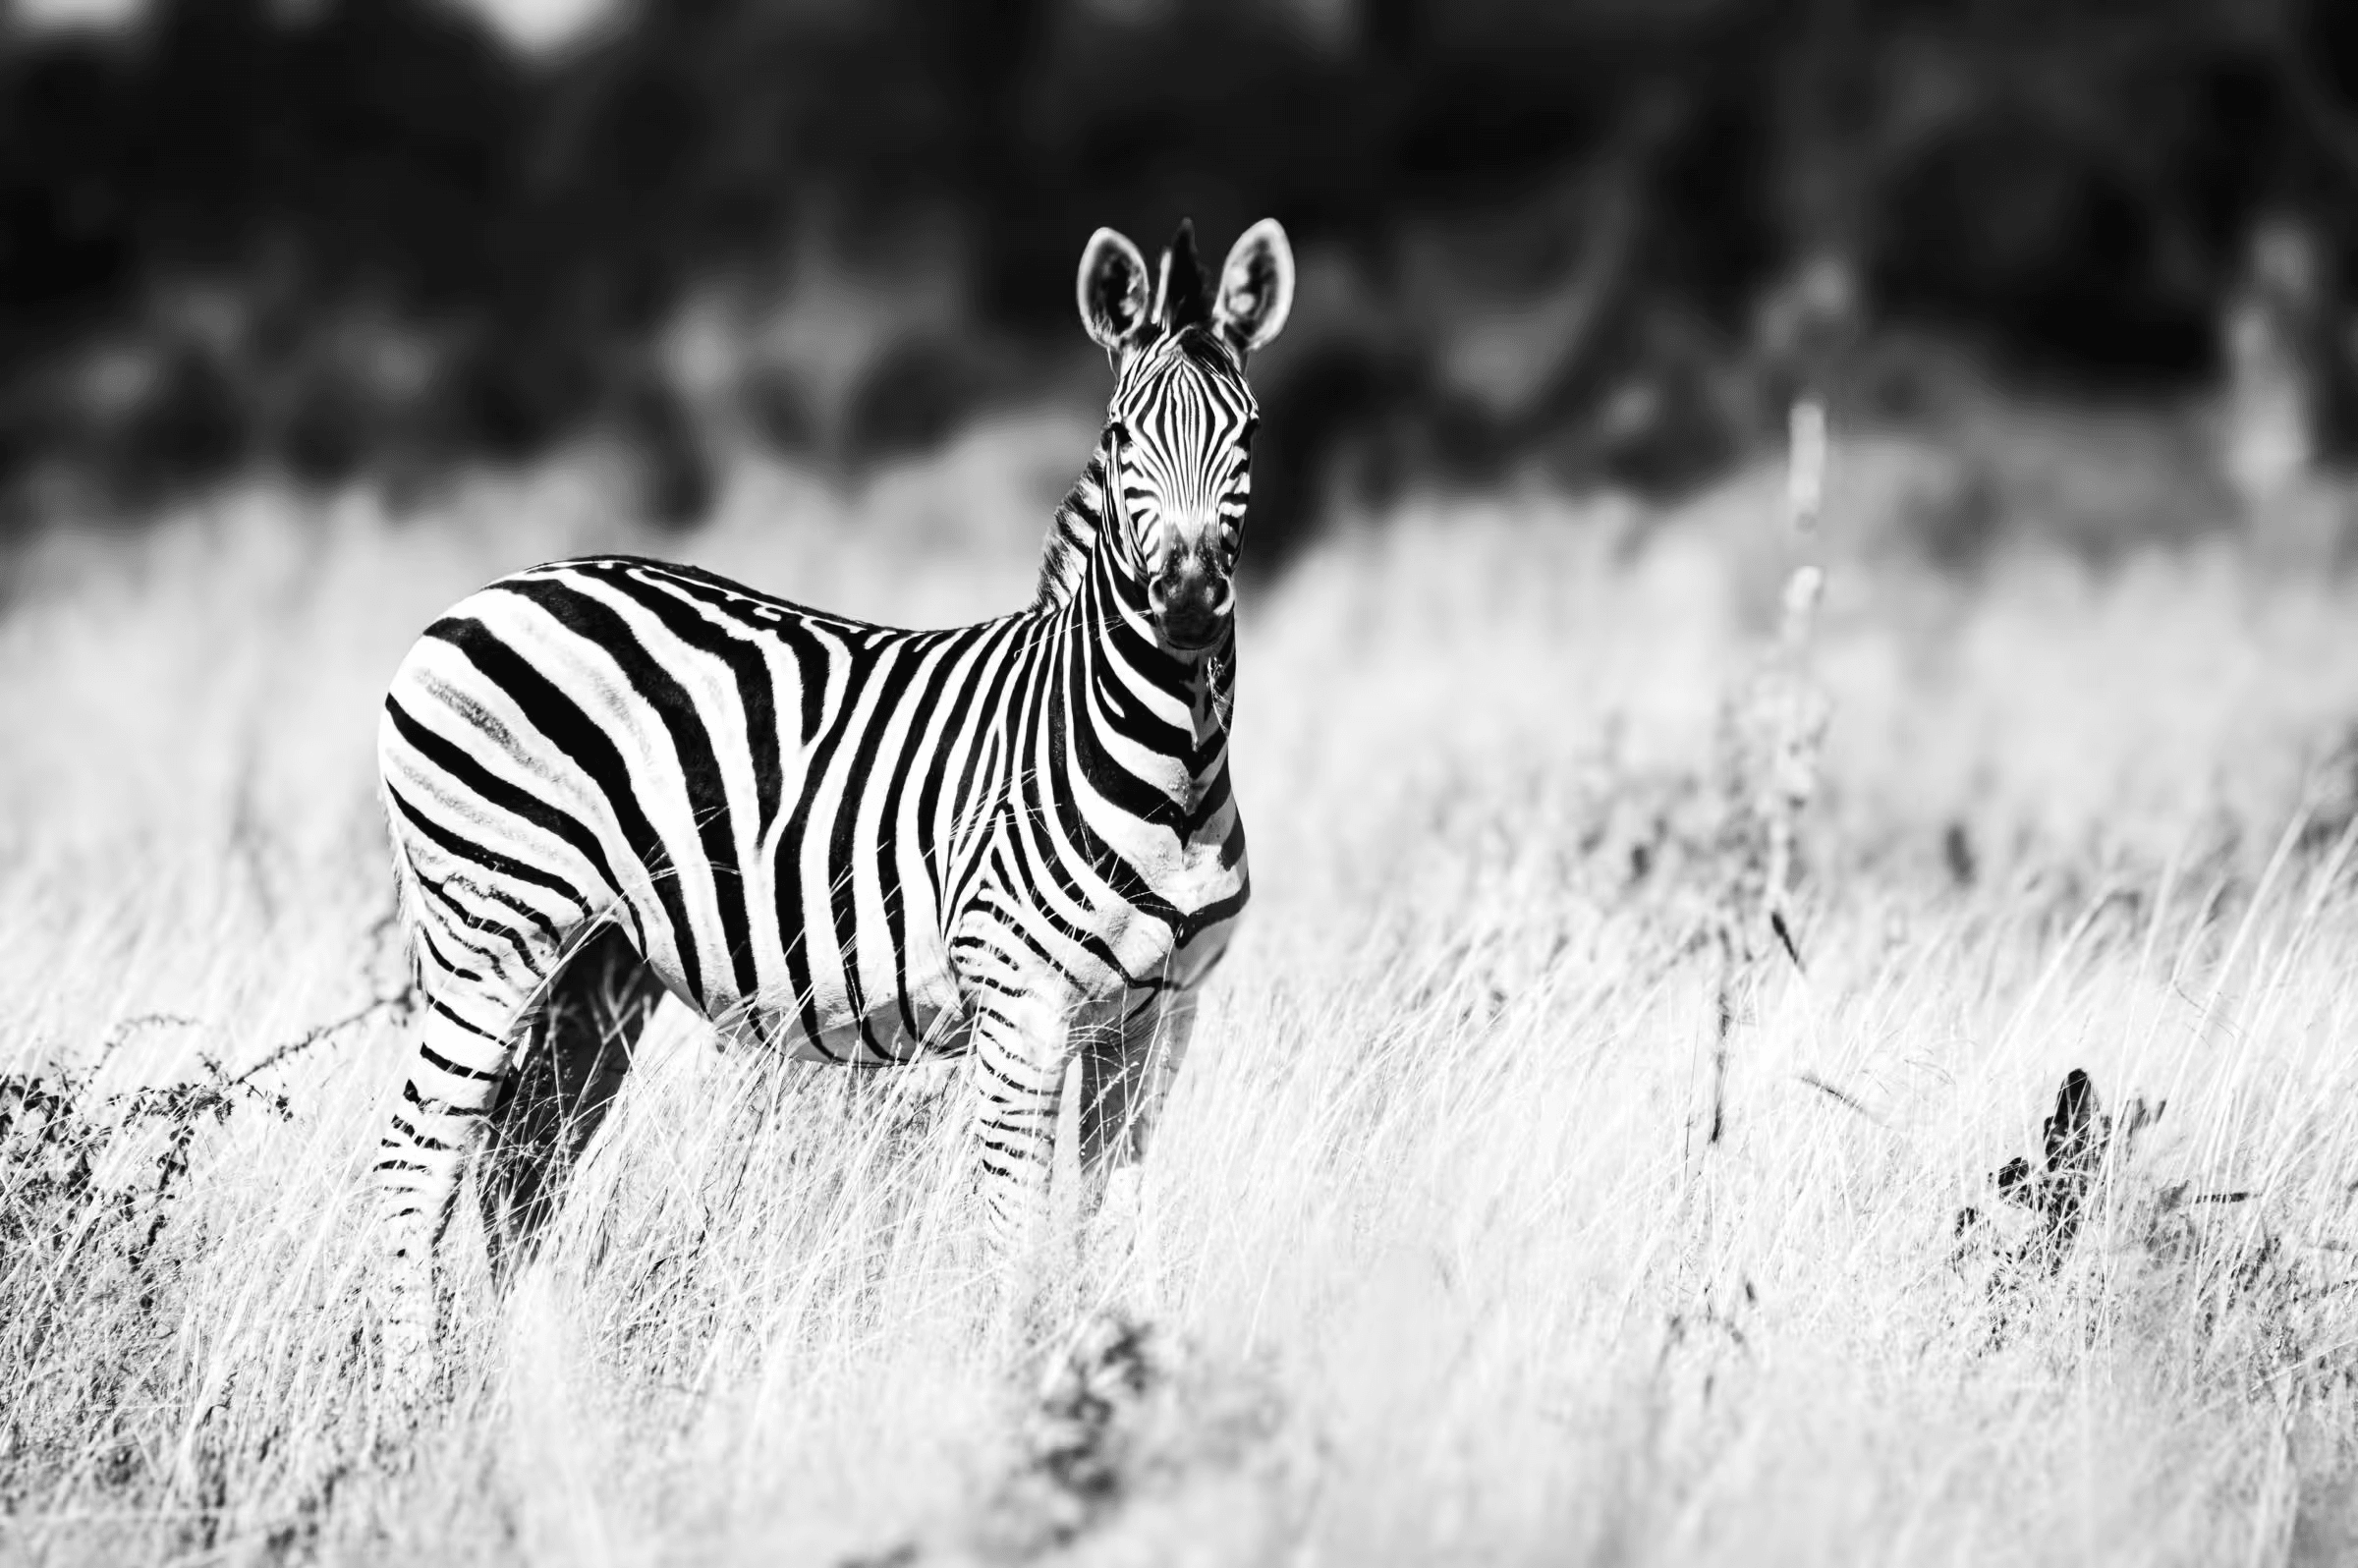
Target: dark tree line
358	237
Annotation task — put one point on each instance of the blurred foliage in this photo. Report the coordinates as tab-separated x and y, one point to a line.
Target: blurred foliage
362	238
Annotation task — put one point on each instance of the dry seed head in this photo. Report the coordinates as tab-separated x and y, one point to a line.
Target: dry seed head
1774	723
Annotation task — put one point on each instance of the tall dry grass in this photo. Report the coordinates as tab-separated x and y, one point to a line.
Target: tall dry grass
1442	1263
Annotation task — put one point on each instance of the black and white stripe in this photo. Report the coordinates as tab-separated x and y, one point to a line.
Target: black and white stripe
1014	840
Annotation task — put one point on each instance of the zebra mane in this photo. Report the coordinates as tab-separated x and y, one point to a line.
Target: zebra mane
1181	298
1072	534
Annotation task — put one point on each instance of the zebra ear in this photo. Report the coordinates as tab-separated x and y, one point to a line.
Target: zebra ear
1112	288
1257	287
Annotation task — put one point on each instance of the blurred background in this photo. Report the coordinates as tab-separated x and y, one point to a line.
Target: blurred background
2078	264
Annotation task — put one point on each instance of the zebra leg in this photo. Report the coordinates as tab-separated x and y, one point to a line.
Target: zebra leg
460	1070
575	1053
1022	1046
1125	1080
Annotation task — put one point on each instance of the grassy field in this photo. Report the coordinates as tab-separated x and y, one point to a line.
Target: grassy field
1502	1214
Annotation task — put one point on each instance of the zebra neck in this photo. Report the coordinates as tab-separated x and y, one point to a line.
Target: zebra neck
1073	536
1110	612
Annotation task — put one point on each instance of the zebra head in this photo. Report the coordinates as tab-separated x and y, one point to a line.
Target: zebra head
1180	429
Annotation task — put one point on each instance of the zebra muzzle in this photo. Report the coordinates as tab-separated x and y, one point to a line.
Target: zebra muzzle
1191	598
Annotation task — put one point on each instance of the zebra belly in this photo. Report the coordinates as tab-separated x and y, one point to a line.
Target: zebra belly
933	1022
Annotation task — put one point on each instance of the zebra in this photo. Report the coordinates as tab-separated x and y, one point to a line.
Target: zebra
610	777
